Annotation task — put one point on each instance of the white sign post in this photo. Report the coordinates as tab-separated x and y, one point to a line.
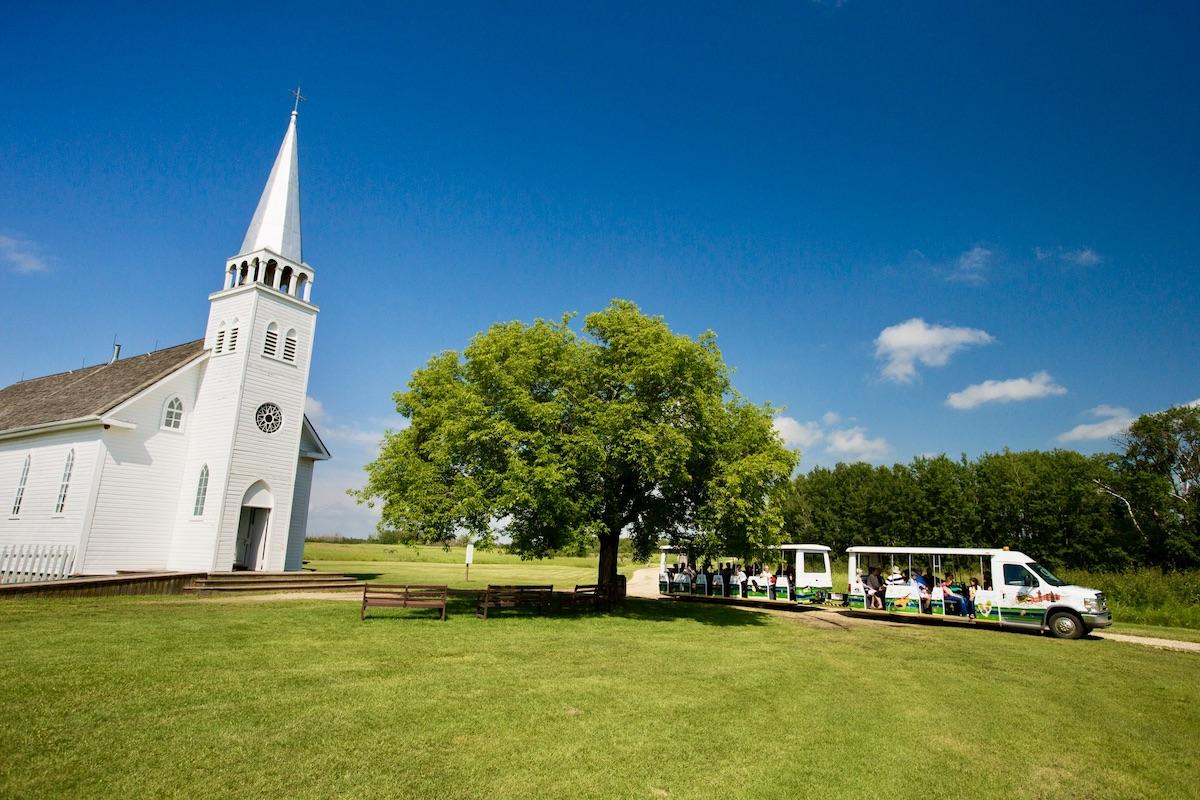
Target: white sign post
470	558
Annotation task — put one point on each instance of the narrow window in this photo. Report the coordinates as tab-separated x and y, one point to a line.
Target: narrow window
66	483
289	346
174	416
233	338
272	340
16	506
219	347
201	491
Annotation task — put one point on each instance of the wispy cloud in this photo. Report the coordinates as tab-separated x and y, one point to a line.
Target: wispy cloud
1038	385
331	510
820	436
1112	421
902	346
972	266
1079	257
798	434
854	445
21	255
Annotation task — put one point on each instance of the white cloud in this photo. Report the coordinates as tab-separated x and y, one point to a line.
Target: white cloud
972	266
853	444
1014	390
1113	421
831	418
21	255
314	409
903	345
798	434
1080	257
331	510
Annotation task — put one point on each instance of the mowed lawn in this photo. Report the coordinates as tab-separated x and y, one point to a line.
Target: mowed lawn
186	698
394	563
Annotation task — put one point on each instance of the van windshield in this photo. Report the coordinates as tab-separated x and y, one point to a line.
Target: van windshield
1046	575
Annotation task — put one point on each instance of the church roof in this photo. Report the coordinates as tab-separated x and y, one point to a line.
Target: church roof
88	392
276	222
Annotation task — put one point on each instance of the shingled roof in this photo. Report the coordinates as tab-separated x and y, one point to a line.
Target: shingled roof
90	391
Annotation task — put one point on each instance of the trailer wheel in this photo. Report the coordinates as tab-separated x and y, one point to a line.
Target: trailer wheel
1066	625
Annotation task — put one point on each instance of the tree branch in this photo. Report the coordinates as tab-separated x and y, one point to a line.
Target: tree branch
1128	507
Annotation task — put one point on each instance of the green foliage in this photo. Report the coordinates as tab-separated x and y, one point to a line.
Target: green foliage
1042	503
1155	481
1146	595
572	438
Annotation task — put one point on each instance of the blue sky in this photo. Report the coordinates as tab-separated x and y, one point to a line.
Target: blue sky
941	227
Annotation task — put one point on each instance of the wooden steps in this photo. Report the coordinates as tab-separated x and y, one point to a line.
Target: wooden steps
225	582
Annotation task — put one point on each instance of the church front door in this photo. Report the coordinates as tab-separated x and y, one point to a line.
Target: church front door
252	528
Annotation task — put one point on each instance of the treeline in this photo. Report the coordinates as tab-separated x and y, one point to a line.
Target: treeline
1110	511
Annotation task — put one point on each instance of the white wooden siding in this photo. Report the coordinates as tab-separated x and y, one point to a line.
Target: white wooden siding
37	523
139	485
299	526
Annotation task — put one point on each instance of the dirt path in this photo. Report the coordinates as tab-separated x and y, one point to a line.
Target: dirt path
1150	641
644	583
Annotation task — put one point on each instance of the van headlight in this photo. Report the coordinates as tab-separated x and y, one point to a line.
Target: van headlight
1093	604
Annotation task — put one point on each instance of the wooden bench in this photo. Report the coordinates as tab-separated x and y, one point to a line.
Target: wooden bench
537	597
387	595
589	595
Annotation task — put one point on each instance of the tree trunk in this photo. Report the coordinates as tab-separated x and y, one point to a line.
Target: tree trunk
607	574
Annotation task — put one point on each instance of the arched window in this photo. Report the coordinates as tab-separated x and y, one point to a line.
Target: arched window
66	483
271	343
173	416
301	283
231	278
269	273
233	331
289	345
285	281
20	495
201	492
245	273
219	345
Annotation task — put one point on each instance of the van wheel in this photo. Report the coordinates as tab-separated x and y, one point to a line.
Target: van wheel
1065	625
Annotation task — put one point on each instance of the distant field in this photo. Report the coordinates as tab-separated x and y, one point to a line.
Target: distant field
238	698
390	563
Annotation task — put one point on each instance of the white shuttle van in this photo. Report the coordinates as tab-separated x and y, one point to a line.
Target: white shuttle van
1015	591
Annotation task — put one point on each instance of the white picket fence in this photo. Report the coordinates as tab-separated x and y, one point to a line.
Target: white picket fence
25	563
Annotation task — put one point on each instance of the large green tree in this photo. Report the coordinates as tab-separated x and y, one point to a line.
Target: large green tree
563	438
1156	483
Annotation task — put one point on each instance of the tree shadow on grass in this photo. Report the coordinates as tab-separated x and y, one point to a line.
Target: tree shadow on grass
363	576
644	610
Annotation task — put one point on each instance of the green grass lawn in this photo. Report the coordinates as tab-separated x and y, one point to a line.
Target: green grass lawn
393	563
186	698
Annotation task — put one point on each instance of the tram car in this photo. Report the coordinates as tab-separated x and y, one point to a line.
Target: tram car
805	577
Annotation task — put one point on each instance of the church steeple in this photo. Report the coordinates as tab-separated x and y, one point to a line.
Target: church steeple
276	222
271	254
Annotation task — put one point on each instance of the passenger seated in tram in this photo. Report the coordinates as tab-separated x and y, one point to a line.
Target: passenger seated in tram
973	588
896	578
739	579
952	598
874	587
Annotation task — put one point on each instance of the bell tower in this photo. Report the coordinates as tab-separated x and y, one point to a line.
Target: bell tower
249	417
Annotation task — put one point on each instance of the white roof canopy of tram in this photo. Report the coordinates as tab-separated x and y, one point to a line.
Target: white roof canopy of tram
815	548
928	551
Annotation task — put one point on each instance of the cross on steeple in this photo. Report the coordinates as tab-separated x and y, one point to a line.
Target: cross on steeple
299	98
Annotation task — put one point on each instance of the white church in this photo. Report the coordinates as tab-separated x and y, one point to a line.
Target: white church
193	458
